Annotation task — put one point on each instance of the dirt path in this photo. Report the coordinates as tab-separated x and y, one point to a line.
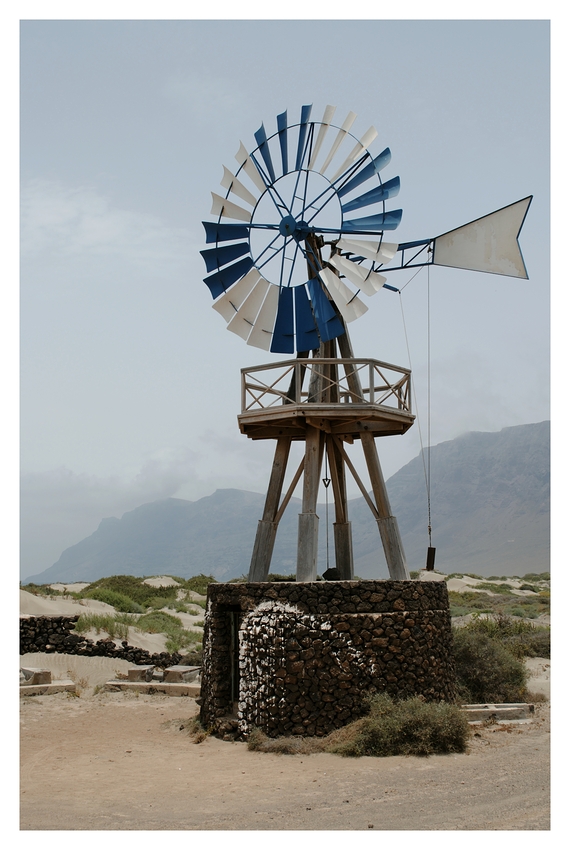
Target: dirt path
118	762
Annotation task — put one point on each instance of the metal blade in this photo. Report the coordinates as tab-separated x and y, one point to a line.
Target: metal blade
328	323
325	123
349	305
374	167
378	250
261	139
305	115
222	280
380	193
306	335
262	331
230	181
383	221
349	121
360	146
247	164
282	128
230	302
244	319
222	255
221	206
217	232
365	279
283	341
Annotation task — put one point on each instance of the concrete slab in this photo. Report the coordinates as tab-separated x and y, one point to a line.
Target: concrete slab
181	673
173	689
504	711
56	687
35	676
141	674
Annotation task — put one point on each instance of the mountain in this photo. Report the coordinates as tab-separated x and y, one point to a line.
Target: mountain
490	509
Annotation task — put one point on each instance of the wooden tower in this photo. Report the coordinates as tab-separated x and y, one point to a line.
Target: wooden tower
325	400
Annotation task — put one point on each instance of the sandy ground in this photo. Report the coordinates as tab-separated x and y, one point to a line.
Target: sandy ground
119	762
115	761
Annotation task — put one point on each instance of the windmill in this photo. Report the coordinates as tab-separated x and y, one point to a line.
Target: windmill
292	254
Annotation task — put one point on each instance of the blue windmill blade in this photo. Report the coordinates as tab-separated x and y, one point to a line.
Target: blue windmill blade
375	223
305	115
282	128
381	193
283	341
328	323
261	139
220	281
222	255
374	167
224	232
306	334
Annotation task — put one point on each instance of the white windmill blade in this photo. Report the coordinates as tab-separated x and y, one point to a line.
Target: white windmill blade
488	244
360	146
230	181
230	302
245	161
377	250
227	209
323	129
349	121
349	305
365	279
262	331
244	319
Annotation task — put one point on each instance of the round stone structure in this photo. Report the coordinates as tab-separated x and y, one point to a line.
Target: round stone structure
299	658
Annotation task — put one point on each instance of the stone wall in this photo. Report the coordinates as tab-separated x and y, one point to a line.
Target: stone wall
56	634
298	658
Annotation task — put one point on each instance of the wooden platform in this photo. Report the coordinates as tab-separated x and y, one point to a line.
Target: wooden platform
343	396
346	421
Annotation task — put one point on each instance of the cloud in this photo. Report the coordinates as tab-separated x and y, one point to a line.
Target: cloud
60	507
72	221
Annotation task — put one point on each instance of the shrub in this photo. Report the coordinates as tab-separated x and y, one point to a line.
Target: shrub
117	600
133	587
159	622
409	727
486	670
199	584
519	637
115	627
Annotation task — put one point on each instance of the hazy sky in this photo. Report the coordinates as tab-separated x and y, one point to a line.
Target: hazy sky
130	382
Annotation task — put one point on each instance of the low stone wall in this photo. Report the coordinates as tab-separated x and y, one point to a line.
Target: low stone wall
297	659
56	634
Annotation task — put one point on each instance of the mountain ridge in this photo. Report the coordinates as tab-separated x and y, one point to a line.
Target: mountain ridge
489	505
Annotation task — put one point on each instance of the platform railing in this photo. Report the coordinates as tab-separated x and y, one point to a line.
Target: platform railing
326	381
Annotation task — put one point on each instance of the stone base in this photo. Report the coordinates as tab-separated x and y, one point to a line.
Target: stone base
299	658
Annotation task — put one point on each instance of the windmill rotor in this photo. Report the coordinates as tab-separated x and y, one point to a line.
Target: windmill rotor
300	182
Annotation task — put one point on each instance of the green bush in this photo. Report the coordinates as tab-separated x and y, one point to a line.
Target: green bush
199	584
519	637
486	670
118	600
133	587
409	727
159	622
116	627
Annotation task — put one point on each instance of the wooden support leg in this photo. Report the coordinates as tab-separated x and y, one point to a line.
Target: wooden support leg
267	526
387	524
308	519
342	527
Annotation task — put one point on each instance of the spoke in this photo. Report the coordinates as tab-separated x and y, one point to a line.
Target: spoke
346	175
